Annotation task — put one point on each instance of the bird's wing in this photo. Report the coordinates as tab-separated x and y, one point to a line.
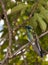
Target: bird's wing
36	48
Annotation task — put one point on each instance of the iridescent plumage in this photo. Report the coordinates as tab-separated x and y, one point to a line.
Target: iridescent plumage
32	38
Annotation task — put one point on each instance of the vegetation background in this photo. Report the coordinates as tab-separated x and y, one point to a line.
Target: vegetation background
14	46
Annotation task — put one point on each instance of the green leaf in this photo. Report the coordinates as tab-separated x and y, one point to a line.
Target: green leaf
18	8
41	22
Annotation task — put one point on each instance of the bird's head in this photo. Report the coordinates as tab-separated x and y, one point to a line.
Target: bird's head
29	28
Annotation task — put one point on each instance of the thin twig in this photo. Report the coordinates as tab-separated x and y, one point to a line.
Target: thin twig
43	34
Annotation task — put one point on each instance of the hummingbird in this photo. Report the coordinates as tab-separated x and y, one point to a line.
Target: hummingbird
33	39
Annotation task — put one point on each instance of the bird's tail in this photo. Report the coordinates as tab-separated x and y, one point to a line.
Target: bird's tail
43	52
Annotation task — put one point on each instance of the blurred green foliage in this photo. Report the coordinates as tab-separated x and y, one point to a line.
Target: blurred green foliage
20	11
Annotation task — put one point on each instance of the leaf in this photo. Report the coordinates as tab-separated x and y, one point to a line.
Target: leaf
41	22
43	13
44	16
18	8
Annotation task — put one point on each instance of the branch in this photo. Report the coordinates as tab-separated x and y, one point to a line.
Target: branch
4	61
9	31
7	22
43	34
16	52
